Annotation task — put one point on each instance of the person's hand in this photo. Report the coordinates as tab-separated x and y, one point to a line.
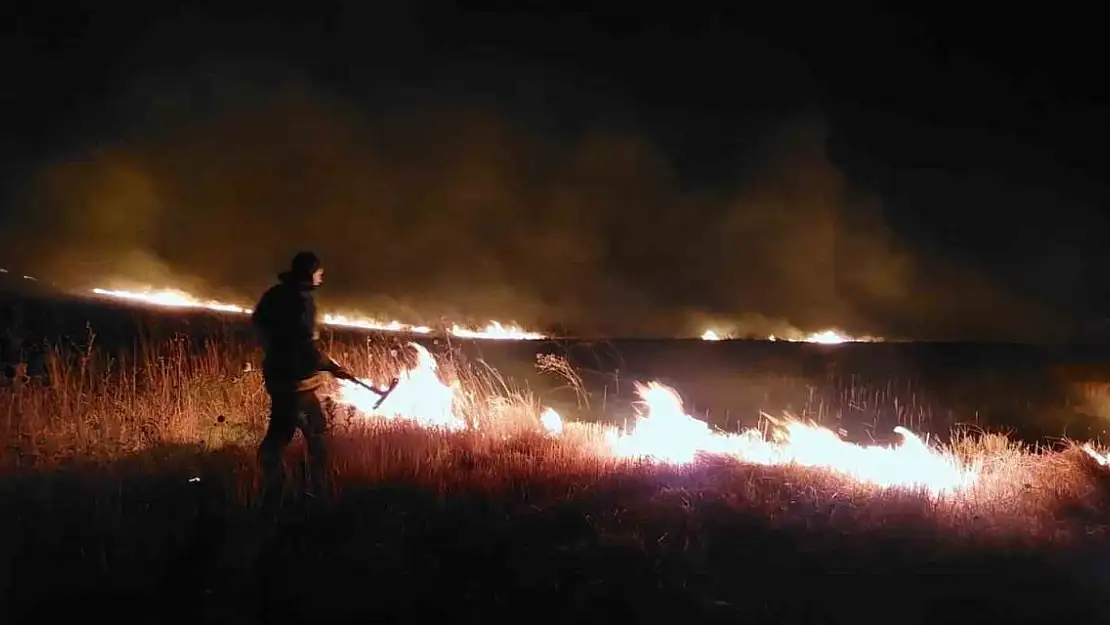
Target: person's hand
337	370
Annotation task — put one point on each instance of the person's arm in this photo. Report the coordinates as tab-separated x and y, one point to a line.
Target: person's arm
312	335
260	319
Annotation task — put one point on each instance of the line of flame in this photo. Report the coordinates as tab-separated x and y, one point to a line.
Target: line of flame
173	298
665	433
825	337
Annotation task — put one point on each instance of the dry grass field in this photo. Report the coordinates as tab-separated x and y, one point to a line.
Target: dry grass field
129	487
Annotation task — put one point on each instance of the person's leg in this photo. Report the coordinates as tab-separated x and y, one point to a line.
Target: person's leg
283	424
314	426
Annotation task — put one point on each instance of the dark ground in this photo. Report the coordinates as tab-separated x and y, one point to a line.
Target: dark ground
127	543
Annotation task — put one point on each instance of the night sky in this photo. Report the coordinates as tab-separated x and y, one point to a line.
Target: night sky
605	172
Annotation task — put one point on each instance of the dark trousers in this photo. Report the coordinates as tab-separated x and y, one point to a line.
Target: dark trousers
292	410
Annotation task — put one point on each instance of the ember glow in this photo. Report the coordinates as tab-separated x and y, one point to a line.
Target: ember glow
663	432
173	298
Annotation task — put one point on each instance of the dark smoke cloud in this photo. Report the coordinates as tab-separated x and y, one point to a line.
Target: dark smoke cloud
462	212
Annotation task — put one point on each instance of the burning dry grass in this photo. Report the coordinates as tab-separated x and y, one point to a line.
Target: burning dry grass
136	469
1031	499
95	408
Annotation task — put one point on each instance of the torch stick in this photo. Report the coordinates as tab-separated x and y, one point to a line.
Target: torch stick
381	393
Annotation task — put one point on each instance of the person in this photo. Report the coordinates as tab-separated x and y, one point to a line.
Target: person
294	369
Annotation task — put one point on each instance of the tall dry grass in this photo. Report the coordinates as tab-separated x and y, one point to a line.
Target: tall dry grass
93	405
97	407
133	470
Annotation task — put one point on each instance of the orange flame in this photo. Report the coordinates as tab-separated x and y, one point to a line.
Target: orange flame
495	330
551	421
174	298
171	298
665	433
419	396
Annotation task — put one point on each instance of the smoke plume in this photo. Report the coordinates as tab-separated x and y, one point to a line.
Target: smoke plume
471	214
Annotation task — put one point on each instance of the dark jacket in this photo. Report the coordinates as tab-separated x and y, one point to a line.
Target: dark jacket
286	321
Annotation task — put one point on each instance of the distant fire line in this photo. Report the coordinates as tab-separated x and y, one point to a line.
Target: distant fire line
824	337
494	330
172	298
